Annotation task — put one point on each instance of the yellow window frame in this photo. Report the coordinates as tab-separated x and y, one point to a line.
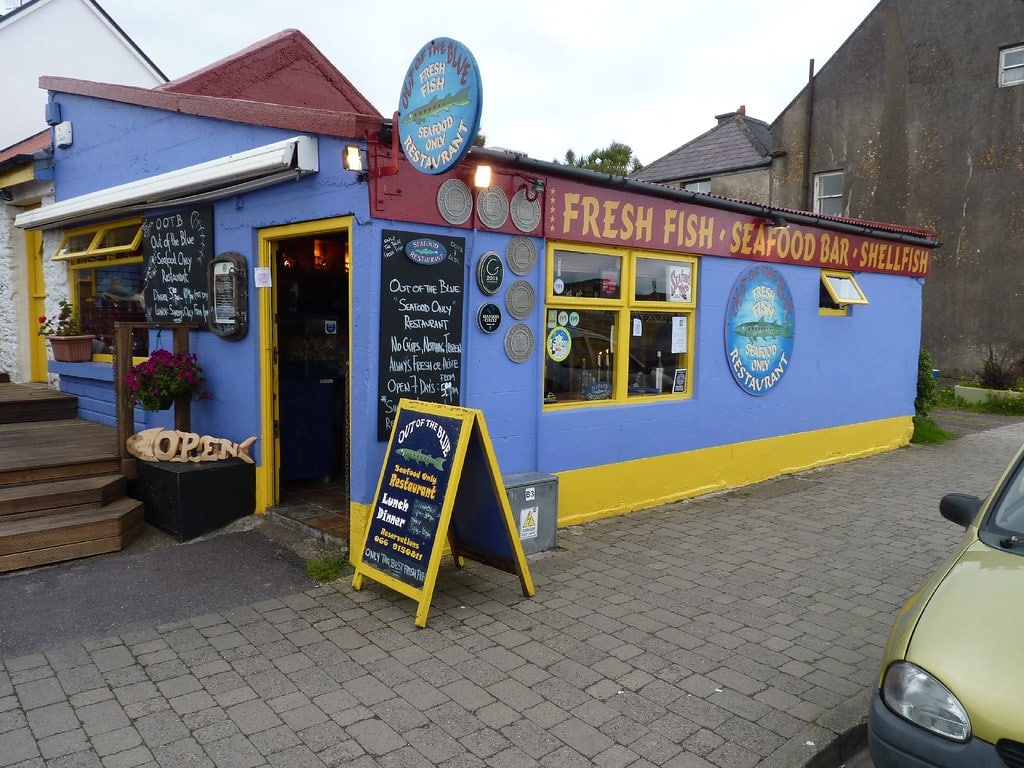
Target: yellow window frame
95	248
623	306
843	280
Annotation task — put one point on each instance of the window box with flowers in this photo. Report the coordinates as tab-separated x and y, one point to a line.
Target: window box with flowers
68	343
154	384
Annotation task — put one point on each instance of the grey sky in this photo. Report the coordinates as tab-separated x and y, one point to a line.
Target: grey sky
557	74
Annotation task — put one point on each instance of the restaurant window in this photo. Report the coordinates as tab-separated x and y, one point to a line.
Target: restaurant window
838	291
828	193
106	280
1011	66
600	301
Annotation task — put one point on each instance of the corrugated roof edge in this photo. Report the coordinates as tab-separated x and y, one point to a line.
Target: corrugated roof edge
913	235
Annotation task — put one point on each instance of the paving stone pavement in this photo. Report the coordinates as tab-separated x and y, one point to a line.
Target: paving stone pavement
738	629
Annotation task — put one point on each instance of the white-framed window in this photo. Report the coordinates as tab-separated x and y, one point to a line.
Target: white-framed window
700	185
1011	66
828	193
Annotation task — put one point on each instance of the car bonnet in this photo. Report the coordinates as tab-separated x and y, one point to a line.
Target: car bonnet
970	635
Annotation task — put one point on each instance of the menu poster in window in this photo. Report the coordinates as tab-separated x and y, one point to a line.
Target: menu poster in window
176	250
421	305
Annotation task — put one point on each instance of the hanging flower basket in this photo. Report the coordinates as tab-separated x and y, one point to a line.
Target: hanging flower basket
71	349
154	384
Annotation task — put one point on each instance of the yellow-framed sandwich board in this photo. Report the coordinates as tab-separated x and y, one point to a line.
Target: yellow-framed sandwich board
439	481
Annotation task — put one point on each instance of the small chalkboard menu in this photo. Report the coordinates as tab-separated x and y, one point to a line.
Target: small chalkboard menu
176	250
421	300
439	483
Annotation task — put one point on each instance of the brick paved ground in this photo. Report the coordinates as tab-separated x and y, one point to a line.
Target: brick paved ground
735	630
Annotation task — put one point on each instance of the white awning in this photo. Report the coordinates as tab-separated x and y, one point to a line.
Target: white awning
225	176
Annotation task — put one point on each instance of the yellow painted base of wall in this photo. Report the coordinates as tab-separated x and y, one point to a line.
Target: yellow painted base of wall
615	489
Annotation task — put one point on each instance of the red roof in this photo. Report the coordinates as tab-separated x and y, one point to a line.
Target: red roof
285	68
24	149
282	81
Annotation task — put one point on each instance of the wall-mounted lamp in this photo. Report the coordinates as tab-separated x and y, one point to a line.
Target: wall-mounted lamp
778	222
482	176
533	188
352	159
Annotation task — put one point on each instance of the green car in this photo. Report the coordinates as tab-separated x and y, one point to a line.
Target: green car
951	689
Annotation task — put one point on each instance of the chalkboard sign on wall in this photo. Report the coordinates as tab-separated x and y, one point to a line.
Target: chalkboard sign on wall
421	300
176	249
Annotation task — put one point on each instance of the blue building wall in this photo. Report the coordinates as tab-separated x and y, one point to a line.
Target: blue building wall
844	370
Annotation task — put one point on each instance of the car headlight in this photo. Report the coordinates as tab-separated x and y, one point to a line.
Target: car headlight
915	695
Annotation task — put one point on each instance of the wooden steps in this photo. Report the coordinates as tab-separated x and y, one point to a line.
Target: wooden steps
62	495
29	498
21	403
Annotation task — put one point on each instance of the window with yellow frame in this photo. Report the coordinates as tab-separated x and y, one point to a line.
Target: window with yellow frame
106	276
600	301
839	290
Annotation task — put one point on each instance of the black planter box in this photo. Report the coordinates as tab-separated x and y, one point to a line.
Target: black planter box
188	499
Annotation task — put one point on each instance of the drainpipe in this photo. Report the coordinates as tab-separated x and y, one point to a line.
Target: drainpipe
809	110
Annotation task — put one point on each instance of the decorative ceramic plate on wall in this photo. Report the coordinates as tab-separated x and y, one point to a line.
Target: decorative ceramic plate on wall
525	212
492	207
521	255
519	343
520	299
455	201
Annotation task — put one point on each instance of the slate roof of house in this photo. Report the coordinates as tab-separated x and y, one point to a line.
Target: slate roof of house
736	143
282	81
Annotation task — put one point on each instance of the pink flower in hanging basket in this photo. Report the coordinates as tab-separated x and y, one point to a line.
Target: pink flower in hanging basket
164	377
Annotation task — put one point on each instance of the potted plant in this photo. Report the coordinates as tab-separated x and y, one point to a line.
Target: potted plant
154	384
65	335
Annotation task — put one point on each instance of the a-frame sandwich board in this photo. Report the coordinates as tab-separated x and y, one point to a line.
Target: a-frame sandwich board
439	481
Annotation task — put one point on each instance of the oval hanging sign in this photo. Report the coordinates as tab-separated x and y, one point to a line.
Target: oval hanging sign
440	105
759	323
425	251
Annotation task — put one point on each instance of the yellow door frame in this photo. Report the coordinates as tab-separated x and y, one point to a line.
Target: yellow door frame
36	303
267	486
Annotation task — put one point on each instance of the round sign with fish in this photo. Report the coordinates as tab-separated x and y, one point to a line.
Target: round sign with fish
439	107
759	324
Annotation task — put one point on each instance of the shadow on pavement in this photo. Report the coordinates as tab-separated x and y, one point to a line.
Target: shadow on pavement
155	580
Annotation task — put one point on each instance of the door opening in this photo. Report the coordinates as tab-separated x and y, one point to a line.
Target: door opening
312	316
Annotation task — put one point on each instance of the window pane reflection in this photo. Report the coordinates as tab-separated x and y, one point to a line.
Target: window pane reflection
586	372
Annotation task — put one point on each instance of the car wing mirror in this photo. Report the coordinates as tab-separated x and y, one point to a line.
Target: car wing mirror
960	508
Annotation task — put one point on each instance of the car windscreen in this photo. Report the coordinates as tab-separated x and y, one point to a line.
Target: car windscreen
1006	517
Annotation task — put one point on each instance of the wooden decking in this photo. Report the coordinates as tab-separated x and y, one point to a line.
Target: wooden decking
61	490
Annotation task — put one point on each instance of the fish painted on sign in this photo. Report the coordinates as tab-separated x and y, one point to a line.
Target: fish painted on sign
420	457
437	105
764	330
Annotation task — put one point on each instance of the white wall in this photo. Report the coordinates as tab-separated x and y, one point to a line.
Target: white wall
65	38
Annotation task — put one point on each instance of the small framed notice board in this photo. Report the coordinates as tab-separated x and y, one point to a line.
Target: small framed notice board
439	482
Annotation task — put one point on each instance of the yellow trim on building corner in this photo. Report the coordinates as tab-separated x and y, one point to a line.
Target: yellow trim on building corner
614	489
594	493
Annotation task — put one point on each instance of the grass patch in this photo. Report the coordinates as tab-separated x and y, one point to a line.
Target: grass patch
1008	406
927	431
326	570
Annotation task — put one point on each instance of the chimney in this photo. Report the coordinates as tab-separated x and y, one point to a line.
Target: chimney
742	110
